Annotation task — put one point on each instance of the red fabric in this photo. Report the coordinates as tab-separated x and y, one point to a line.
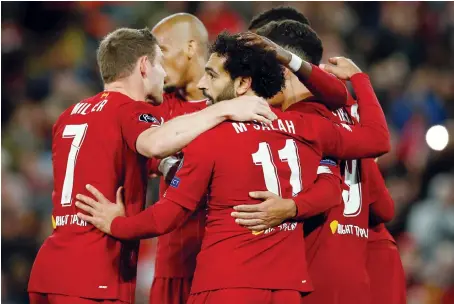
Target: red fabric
170	290
246	296
213	270
337	241
231	255
152	165
373	132
162	218
381	203
177	251
387	278
41	298
106	159
327	88
380	233
324	194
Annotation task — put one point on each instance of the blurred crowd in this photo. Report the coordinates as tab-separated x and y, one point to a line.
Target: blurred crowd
49	63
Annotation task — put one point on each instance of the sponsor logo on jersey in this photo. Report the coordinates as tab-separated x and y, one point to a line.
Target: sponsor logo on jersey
148	118
328	162
289	226
175	182
349	229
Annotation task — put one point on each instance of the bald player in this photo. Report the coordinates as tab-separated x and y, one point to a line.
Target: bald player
184	43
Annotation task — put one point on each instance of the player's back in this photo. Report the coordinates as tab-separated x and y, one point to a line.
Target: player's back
336	241
93	143
247	157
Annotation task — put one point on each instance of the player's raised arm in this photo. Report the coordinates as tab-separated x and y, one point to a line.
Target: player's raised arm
175	134
370	138
330	90
180	200
381	202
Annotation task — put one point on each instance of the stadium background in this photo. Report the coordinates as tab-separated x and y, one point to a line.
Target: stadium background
48	63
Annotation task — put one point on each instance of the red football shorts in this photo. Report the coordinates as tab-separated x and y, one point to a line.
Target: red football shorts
170	290
43	298
387	278
246	296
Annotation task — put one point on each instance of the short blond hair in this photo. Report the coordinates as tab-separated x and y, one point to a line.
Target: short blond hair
119	51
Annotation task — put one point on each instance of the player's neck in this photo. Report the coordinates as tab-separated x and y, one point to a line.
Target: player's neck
126	88
294	92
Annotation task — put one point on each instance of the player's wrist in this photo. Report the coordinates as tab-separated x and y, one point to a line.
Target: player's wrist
292	209
294	63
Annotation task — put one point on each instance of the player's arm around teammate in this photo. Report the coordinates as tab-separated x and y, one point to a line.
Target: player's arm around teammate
175	134
274	210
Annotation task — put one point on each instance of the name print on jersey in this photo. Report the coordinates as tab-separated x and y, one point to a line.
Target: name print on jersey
82	107
278	125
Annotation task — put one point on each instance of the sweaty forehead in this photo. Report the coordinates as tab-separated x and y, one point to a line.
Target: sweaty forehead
216	63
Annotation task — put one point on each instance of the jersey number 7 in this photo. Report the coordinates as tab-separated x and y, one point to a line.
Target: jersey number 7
77	133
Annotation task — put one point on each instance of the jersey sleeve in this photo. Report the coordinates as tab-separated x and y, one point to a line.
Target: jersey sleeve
328	88
193	176
159	219
322	195
136	117
368	139
381	203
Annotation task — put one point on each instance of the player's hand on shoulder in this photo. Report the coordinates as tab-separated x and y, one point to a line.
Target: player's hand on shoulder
248	108
270	213
254	39
101	212
341	67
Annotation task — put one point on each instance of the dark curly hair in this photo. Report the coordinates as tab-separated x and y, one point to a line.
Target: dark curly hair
295	37
250	61
277	14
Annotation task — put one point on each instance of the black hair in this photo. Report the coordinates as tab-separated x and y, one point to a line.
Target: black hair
295	37
250	61
277	14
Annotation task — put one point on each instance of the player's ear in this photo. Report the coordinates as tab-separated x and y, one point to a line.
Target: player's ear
191	49
143	65
242	85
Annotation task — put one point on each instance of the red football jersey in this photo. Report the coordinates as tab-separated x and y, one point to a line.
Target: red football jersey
282	159
177	251
336	242
94	142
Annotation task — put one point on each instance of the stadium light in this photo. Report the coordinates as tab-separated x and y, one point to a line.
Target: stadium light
437	137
